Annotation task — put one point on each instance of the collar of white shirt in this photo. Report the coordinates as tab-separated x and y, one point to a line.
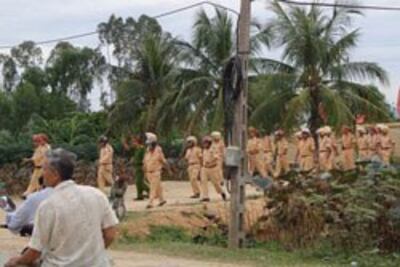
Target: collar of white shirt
64	184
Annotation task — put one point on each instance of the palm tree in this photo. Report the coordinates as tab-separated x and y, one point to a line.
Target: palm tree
142	99
316	76
213	44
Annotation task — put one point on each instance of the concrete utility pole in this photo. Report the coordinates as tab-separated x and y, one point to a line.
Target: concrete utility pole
238	182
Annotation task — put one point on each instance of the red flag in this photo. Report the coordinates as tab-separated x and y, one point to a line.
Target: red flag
398	103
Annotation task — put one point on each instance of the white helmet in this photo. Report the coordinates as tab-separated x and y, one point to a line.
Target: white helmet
216	135
192	139
151	138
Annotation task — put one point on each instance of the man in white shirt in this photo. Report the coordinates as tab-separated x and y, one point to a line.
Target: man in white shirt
74	226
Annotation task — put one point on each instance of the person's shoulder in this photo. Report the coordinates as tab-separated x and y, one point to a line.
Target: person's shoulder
90	190
40	194
47	204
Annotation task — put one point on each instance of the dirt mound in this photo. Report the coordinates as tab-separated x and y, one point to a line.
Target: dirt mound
191	219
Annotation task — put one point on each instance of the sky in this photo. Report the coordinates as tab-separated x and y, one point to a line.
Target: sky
22	20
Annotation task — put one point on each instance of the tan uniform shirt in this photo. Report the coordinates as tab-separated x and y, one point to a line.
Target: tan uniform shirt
40	154
386	143
373	143
268	145
106	155
282	147
210	157
220	149
307	147
254	146
154	160
363	143
347	141
193	155
325	145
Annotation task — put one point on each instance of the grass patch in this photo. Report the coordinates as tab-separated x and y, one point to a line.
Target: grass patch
177	242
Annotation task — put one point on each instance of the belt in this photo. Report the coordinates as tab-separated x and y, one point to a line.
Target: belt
267	151
105	163
152	171
347	148
38	167
364	149
323	151
191	164
386	148
210	166
308	156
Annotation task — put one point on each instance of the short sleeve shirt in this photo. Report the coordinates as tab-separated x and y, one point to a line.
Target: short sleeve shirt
154	160
68	227
193	156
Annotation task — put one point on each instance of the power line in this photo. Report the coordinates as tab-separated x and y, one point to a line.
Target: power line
165	14
370	7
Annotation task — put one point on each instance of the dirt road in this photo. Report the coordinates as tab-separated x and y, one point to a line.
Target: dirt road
177	195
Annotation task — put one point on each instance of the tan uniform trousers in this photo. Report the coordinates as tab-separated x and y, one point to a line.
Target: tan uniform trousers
269	160
34	182
104	176
256	163
364	154
194	174
306	163
385	155
282	166
156	190
326	160
348	159
211	174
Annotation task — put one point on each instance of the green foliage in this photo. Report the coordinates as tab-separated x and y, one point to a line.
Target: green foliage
351	212
72	70
316	74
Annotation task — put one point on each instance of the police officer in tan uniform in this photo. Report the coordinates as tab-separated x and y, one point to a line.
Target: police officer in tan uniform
363	143
105	164
282	163
269	148
373	142
386	145
326	149
299	144
255	153
193	157
219	146
306	151
210	170
348	144
40	142
153	162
